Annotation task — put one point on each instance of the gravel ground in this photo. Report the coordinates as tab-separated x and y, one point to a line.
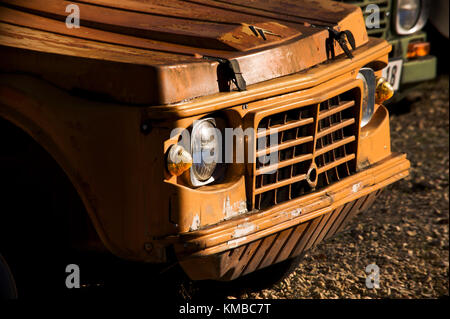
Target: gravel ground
405	233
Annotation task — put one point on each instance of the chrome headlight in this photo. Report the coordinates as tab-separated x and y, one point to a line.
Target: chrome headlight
411	15
205	149
368	94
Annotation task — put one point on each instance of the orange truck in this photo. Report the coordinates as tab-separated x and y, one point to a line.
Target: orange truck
226	136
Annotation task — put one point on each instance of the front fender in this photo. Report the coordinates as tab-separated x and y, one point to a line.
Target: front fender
104	154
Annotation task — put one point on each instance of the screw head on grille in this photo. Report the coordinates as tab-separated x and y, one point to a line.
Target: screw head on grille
311	175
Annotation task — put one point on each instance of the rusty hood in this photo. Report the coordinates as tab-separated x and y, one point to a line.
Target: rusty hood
161	52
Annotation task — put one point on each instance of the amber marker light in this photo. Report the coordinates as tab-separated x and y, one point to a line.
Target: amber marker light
418	49
178	160
384	91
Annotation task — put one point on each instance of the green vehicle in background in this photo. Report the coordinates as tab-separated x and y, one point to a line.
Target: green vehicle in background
401	23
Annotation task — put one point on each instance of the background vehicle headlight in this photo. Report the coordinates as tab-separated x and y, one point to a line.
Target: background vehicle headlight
205	149
411	15
368	94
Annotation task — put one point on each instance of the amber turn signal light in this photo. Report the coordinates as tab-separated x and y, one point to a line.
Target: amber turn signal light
178	160
384	91
418	49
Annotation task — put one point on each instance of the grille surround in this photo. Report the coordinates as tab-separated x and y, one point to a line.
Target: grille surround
323	134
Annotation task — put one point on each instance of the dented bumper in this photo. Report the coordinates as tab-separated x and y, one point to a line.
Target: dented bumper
241	245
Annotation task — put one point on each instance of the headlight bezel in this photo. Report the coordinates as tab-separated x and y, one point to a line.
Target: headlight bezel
367	75
195	178
420	22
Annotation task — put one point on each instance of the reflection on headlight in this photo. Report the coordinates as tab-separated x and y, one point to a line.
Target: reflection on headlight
408	13
411	15
205	150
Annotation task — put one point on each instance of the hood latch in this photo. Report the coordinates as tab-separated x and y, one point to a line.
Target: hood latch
343	38
230	71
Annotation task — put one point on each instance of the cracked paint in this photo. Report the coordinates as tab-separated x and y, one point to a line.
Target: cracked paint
235	242
356	187
235	209
244	229
293	213
195	223
296	212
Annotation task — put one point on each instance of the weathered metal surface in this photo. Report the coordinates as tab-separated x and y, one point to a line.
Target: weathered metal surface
268	250
165	42
130	198
231	36
136	206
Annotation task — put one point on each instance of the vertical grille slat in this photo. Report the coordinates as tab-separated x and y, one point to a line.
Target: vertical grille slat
323	134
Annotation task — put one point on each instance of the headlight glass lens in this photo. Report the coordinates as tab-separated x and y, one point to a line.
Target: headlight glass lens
205	150
408	13
368	94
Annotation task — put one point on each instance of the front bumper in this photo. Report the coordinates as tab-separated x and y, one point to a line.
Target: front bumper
418	70
239	246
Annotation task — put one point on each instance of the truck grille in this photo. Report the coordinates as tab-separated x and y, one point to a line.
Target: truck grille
385	11
316	147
